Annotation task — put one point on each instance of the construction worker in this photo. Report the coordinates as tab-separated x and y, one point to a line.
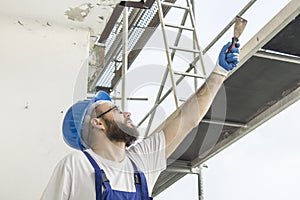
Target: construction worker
111	164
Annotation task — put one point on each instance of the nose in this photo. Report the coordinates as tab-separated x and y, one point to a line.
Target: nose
126	114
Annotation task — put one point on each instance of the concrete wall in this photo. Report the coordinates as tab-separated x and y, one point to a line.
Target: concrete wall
40	64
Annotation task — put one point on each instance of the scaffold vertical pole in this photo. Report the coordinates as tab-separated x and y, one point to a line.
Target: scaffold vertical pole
124	57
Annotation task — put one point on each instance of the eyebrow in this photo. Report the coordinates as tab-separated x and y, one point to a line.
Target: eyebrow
102	114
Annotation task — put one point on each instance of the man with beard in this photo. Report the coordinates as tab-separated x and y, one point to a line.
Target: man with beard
112	166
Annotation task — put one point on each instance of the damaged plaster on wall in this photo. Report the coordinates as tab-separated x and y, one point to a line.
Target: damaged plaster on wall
79	13
92	15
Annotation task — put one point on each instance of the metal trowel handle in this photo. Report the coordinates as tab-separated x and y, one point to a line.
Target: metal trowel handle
234	41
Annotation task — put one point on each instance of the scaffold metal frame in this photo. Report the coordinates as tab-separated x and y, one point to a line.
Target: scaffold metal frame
252	48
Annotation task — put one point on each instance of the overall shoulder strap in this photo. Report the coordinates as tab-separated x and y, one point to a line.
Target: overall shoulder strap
98	176
140	178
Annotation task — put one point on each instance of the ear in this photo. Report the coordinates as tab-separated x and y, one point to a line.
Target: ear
97	123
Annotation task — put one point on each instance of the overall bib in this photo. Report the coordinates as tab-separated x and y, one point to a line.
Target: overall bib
110	194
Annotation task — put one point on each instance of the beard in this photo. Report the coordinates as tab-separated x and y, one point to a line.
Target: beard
121	132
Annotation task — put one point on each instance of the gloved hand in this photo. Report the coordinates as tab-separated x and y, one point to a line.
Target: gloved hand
227	60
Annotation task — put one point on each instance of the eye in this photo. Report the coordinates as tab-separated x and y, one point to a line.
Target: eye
119	110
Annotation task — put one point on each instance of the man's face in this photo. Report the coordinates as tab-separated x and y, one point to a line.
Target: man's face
119	126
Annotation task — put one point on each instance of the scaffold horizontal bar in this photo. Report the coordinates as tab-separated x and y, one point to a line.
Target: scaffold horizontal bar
179	27
174	5
184	49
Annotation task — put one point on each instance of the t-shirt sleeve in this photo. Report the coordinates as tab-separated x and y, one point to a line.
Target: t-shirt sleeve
59	185
149	156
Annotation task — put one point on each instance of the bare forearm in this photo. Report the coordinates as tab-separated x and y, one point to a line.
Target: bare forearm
191	112
206	94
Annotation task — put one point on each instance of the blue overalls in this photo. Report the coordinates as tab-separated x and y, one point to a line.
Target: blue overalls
110	194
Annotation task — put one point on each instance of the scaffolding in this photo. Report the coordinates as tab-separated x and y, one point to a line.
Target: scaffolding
118	59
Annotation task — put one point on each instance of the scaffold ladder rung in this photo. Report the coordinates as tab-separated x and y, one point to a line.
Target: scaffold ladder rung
179	26
185	49
189	74
174	5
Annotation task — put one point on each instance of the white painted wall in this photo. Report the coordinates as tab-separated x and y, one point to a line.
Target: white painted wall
39	67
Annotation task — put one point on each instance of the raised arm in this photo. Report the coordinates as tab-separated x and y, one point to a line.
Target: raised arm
189	115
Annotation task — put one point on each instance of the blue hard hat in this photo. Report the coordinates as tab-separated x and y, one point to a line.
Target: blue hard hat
74	117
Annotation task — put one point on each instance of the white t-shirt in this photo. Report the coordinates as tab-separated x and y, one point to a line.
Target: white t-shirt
73	177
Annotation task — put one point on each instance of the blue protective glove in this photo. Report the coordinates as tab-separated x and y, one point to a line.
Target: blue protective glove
229	60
